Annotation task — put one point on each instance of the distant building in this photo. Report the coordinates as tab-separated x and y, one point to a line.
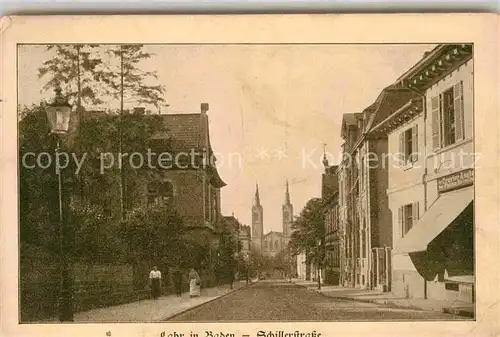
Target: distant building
245	240
333	241
301	266
257	222
273	242
232	225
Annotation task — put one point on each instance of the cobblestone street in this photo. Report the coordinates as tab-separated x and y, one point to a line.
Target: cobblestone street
282	301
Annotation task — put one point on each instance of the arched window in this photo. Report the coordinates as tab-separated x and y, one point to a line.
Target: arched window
276	245
160	193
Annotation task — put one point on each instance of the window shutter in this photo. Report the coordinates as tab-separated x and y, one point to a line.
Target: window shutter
441	119
458	106
414	209
435	104
414	144
402	147
400	221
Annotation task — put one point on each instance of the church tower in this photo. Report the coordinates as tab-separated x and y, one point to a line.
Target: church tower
287	210
257	222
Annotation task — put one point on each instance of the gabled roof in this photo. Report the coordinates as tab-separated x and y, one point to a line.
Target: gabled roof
389	101
349	120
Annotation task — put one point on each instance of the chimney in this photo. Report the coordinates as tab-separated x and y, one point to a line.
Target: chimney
139	111
204	108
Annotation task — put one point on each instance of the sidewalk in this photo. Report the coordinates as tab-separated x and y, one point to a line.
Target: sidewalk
465	309
153	310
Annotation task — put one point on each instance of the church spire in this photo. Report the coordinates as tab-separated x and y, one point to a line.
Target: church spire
256	201
287	194
325	160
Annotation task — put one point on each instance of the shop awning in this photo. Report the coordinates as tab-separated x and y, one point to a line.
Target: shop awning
445	209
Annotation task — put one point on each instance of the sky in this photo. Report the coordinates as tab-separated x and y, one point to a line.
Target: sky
272	108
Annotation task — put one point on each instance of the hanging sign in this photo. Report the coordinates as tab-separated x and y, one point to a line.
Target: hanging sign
456	180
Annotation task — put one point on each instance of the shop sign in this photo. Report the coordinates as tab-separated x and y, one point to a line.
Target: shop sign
456	180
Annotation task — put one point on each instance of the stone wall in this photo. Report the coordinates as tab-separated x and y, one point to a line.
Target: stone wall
94	285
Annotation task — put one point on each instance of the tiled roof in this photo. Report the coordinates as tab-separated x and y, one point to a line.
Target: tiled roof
185	131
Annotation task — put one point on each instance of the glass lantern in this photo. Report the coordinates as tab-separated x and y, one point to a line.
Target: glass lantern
58	114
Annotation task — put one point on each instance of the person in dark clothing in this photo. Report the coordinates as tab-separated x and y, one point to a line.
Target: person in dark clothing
177	276
231	278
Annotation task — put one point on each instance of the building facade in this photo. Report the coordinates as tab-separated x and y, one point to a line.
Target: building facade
192	187
189	185
333	241
431	179
363	202
273	243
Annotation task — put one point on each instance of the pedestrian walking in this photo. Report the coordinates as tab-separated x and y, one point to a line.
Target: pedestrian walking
155	282
194	283
178	282
231	278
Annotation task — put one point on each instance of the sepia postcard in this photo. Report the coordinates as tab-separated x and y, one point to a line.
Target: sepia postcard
250	175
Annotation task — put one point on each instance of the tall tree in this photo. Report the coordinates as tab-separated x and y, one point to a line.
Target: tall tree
308	228
127	82
74	67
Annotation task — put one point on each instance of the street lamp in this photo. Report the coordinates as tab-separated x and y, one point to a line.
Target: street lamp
319	262
58	115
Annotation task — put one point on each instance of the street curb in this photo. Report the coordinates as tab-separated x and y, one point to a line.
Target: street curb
199	305
457	312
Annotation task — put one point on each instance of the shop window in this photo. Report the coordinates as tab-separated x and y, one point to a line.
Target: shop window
447	111
408	215
451	286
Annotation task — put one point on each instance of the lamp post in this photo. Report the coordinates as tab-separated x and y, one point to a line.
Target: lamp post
58	115
319	263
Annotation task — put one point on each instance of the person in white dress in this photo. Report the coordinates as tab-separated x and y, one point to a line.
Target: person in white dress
194	283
